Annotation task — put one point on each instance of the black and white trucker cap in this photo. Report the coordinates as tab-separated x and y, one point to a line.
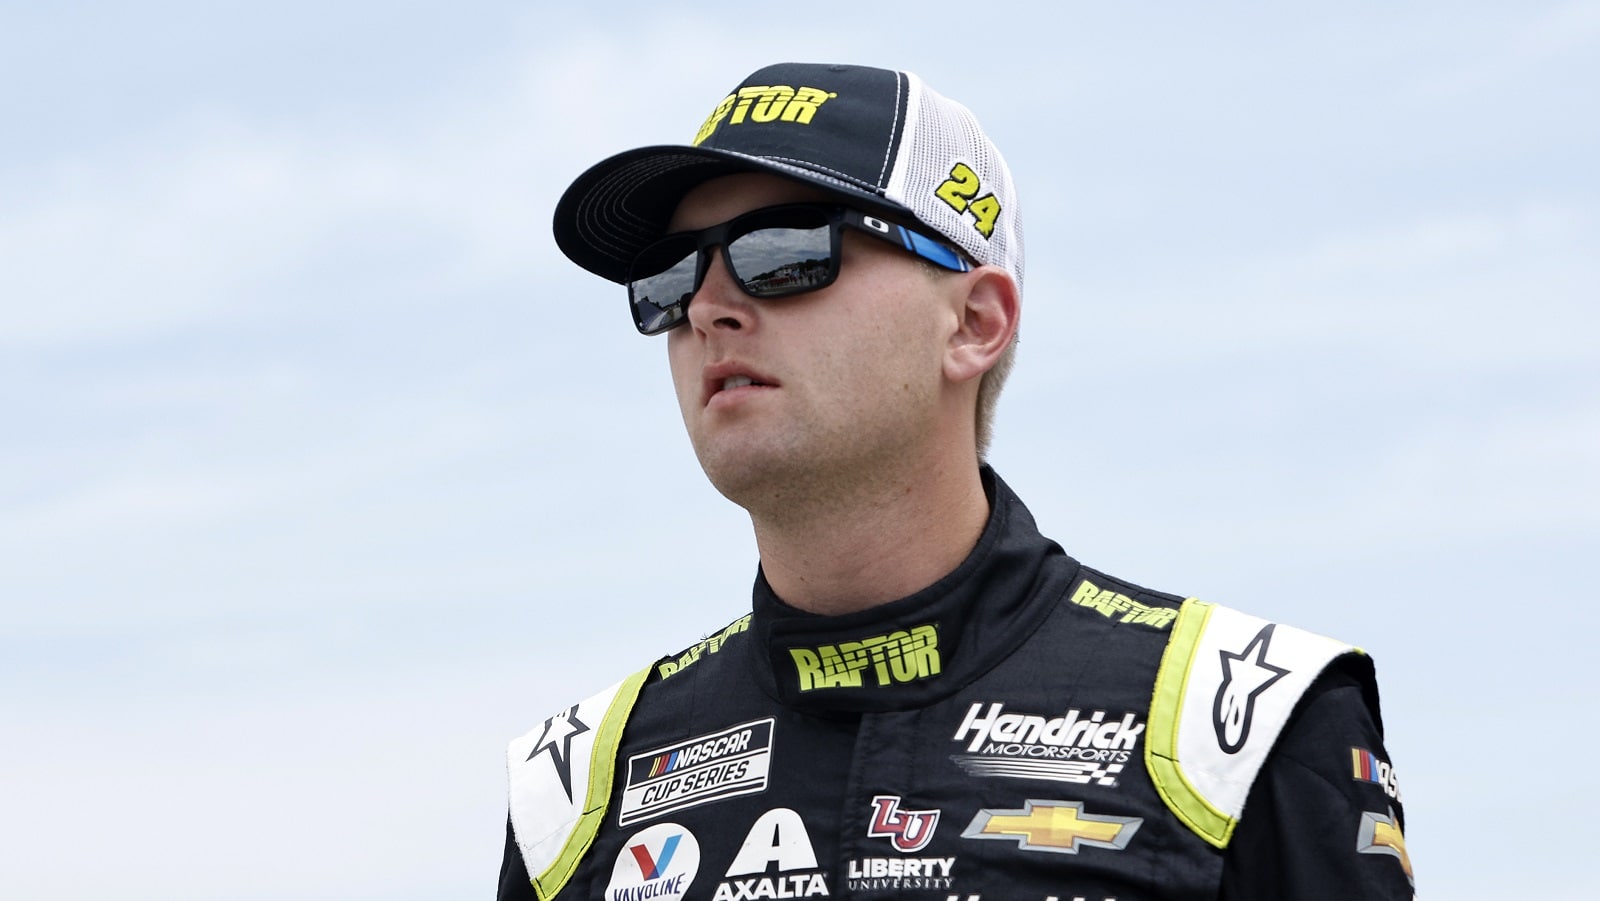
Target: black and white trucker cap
881	140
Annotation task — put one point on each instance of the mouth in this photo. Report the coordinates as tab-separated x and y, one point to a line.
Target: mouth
725	378
738	381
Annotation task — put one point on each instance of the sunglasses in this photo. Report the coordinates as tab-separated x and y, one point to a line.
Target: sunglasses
774	252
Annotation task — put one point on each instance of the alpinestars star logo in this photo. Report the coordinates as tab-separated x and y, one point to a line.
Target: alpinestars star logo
559	731
1245	675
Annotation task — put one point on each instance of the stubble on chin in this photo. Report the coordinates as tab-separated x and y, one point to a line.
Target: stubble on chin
753	475
802	480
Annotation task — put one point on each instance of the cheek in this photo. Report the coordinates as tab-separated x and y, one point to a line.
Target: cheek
907	333
685	376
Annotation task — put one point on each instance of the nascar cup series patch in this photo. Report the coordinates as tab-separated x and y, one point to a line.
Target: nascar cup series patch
707	768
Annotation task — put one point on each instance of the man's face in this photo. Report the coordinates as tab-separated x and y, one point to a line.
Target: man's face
792	397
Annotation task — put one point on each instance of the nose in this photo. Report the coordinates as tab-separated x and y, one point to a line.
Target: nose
719	304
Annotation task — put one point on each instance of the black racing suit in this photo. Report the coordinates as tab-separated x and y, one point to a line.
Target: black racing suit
985	737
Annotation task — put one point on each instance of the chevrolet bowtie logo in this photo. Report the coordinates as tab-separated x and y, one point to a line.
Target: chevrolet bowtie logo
1060	827
1381	835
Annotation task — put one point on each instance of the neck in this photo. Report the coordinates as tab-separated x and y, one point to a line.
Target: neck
862	545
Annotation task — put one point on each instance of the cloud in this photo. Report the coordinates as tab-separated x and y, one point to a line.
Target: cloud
1567	28
1437	292
1504	54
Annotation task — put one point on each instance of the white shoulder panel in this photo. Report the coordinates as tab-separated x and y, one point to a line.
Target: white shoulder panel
561	776
1227	685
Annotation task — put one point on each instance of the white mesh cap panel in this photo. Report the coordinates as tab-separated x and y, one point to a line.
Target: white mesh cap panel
940	136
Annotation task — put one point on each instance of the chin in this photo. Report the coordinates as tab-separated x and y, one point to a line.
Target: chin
750	475
740	480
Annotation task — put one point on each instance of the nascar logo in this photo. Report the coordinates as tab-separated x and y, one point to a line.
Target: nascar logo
726	764
1369	767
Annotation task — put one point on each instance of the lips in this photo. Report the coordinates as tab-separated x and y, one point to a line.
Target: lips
725	377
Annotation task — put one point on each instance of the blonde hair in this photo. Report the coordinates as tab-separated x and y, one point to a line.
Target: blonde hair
989	385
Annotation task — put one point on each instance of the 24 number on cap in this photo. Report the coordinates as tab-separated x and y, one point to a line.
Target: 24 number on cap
960	189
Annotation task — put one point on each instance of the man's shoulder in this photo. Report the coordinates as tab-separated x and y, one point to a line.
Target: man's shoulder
700	657
563	769
1227	686
707	648
1122	601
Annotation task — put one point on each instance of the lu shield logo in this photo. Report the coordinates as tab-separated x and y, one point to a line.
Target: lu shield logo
907	830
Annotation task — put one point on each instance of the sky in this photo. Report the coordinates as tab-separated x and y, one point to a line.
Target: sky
323	474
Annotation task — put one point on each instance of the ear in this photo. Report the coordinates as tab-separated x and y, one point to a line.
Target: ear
989	314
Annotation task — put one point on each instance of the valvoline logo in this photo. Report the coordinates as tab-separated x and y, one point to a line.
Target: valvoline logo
656	863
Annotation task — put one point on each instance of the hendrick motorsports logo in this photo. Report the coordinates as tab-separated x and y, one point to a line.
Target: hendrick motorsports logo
1074	747
708	768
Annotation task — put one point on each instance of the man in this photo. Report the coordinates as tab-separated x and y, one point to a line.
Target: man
929	698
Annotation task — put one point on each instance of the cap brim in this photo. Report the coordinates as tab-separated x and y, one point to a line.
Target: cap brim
622	204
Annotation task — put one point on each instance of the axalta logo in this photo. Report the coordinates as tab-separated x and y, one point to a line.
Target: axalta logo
1369	767
895	658
703	769
1245	675
656	863
1074	747
764	103
777	838
707	646
1121	607
1059	827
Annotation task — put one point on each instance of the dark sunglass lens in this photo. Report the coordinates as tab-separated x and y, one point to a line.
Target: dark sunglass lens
660	288
774	262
